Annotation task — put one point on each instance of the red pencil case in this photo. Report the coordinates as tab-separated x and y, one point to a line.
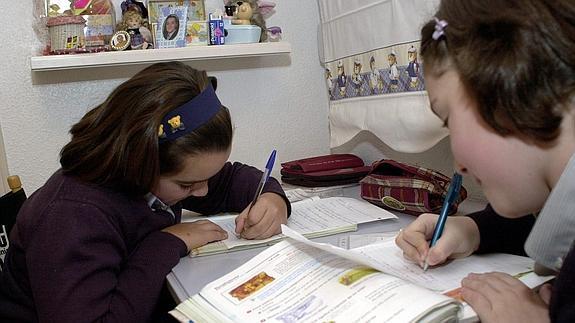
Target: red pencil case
327	170
407	188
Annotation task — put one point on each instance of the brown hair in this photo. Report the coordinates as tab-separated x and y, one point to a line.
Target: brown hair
516	58
116	144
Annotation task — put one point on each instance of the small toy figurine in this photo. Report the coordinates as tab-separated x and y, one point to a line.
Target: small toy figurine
135	25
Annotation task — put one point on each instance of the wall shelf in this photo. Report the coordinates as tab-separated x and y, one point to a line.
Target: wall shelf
77	61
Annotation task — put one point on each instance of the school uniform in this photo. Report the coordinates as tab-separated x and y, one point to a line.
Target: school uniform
549	240
83	253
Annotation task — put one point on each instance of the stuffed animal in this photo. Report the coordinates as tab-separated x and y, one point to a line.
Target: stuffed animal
248	13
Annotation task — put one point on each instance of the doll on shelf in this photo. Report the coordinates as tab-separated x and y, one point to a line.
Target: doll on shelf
135	25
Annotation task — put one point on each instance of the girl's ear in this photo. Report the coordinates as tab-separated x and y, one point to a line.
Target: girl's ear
214	81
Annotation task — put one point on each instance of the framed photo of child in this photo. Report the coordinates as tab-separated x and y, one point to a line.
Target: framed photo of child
196	9
171	29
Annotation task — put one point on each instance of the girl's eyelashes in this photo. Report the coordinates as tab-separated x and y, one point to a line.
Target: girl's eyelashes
190	186
186	187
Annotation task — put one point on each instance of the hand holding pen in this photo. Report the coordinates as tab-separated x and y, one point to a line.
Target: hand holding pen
450	198
266	212
459	236
265	176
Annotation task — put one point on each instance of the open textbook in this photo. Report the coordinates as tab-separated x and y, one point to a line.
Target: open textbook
311	217
300	280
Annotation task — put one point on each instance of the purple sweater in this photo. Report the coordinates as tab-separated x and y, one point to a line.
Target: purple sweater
83	253
499	234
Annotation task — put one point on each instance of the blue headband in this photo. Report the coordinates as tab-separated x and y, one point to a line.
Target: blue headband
190	116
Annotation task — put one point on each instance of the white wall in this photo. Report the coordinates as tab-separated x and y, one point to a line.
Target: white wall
276	103
4	188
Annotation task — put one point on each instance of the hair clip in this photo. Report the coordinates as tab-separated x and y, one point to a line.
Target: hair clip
439	26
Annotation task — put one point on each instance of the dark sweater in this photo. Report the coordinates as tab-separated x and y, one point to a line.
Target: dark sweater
83	253
499	234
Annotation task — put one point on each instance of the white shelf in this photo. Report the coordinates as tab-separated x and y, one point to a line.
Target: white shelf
76	61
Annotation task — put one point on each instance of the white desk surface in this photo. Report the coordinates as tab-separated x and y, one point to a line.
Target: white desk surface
191	274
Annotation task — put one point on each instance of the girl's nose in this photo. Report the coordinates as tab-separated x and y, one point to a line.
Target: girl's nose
201	190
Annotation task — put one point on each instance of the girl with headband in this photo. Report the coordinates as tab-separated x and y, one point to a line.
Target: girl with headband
96	242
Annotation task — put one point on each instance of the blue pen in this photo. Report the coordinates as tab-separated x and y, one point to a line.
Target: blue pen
265	176
452	194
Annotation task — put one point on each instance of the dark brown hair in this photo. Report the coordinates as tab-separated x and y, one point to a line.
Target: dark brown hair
116	144
516	58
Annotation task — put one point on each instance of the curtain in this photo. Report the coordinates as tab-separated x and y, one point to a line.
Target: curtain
374	78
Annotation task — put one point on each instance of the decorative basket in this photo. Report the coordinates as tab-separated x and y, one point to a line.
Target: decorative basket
66	33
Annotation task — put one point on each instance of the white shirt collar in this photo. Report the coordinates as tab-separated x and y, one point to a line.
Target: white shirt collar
553	234
156	204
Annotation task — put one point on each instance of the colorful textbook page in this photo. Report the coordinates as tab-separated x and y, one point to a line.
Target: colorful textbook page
312	217
300	280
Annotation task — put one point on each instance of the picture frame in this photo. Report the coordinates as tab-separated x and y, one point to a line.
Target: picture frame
196	9
171	27
196	33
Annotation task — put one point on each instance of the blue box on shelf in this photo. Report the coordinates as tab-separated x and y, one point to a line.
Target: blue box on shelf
216	30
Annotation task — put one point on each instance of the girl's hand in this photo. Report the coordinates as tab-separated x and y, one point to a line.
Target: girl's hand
198	233
499	297
460	238
264	218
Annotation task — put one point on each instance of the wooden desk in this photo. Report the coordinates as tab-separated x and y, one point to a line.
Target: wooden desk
191	274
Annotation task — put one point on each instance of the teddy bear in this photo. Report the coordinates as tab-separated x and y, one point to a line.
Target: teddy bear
176	123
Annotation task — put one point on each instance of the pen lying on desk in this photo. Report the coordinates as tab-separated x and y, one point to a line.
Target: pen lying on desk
452	194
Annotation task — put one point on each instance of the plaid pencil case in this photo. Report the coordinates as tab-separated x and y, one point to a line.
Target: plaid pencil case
406	188
327	170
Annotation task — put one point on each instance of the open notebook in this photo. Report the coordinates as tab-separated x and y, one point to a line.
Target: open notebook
311	217
300	280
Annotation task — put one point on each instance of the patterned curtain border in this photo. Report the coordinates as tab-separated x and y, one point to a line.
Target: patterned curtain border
389	70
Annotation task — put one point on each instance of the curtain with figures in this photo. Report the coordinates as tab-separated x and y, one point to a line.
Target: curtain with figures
373	74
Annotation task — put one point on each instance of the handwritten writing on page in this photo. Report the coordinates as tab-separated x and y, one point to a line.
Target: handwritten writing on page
312	218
